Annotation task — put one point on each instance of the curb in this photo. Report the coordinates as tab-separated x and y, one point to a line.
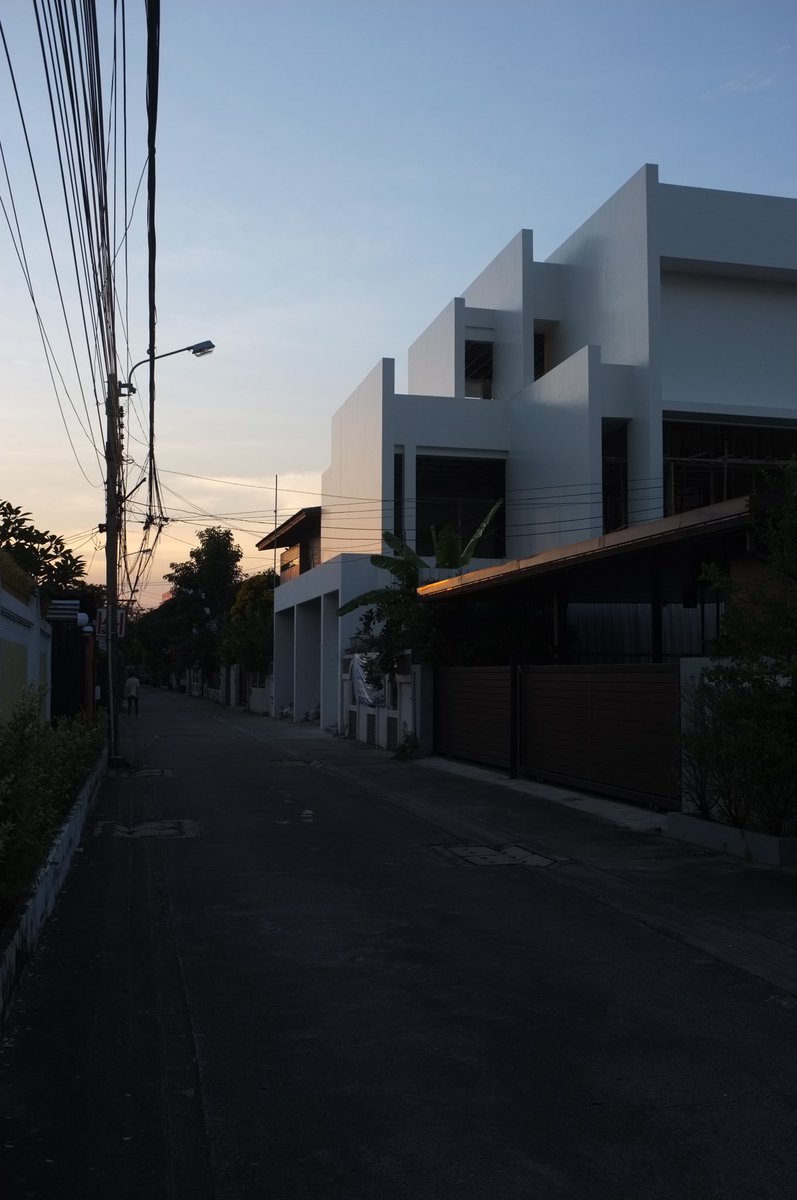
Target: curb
18	939
764	848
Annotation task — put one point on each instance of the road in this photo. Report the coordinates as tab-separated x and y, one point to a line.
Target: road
273	974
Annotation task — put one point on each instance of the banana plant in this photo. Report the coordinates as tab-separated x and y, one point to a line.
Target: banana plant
448	549
406	566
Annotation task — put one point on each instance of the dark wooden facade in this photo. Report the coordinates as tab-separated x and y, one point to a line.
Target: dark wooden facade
472	714
607	728
612	729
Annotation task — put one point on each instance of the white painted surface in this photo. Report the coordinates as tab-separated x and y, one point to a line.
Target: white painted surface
728	344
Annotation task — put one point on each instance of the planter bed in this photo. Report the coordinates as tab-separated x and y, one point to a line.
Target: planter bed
763	848
18	937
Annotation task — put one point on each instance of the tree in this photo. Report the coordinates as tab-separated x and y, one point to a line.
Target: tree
161	642
43	555
249	635
187	630
212	574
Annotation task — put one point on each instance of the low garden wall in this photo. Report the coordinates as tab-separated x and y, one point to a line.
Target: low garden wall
20	934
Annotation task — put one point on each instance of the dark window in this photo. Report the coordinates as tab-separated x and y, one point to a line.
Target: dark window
479	370
615	474
398	493
539	355
706	462
460	492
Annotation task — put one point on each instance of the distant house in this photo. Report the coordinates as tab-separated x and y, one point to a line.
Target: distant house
648	367
301	534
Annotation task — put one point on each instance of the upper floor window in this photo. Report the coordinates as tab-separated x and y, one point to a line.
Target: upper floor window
708	461
479	370
459	493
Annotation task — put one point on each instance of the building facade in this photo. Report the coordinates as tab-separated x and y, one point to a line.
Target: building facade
646	368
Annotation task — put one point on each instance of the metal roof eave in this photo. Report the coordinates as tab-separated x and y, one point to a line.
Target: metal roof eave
728	514
289	530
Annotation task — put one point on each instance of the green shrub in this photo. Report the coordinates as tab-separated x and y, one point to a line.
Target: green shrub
740	737
740	749
42	768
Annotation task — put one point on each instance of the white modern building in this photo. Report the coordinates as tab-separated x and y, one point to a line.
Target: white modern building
648	366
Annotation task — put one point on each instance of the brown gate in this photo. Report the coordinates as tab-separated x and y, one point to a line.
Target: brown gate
472	714
607	728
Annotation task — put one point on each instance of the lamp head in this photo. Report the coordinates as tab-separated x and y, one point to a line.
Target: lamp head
200	348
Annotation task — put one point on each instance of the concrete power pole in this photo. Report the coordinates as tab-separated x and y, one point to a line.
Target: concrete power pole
112	467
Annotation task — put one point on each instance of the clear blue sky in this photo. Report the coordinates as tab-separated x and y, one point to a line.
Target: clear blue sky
330	174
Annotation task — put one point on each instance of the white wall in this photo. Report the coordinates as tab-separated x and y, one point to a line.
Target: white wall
284	637
606	278
434	360
355	497
505	286
727	343
554	470
307	658
725	227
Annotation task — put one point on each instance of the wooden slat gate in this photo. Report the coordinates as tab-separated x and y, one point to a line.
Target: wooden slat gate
472	714
607	728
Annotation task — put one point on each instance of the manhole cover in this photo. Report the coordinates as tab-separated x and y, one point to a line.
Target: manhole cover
142	773
164	829
491	856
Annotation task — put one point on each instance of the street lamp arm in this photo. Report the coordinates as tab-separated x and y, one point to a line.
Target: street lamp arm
197	348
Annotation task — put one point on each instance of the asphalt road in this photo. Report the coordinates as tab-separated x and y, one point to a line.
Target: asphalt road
270	975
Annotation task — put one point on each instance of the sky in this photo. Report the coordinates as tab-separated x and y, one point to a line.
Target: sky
330	174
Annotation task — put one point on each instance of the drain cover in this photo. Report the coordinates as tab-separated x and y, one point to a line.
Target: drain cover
142	773
490	856
176	828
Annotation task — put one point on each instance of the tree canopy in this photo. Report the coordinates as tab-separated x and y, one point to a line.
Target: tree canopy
249	634
212	574
43	555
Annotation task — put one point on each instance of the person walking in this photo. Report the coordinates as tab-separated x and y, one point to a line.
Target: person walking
131	691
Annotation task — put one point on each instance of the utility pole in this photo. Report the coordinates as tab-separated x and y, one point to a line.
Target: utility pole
112	462
274	576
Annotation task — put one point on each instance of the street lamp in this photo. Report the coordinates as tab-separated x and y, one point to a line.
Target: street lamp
198	349
114	502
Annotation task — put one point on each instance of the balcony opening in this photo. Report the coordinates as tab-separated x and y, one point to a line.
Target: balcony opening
479	370
614	456
544	350
459	492
707	461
